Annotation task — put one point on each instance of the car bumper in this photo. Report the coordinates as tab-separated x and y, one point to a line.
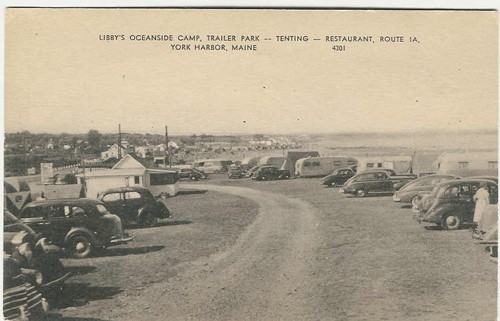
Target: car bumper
121	240
347	191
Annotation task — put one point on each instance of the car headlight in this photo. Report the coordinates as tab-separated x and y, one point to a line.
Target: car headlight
38	278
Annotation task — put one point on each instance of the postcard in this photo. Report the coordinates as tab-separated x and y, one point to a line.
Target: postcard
250	164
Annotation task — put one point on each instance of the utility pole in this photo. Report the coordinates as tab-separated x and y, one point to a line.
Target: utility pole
119	141
167	149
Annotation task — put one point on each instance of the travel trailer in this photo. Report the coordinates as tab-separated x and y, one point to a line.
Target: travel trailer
211	166
400	164
293	156
321	166
467	164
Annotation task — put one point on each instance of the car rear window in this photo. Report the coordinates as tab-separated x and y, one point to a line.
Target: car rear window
111	197
33	212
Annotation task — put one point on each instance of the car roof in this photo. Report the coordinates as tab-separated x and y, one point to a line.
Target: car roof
376	170
63	201
125	189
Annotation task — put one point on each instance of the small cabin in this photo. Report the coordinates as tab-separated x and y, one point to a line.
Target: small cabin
129	172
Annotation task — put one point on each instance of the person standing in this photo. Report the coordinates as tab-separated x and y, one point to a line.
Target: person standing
482	199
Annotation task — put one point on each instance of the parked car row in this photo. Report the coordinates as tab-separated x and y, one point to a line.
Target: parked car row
44	230
82	226
447	201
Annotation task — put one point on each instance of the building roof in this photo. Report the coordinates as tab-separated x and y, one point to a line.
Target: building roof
129	161
114	172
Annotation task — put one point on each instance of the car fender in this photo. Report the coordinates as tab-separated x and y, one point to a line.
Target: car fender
143	210
80	231
437	214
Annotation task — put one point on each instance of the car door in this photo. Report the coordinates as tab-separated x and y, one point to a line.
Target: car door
63	217
346	174
466	203
493	190
275	173
133	202
37	219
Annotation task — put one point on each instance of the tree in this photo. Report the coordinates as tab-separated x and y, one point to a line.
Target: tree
70	179
94	138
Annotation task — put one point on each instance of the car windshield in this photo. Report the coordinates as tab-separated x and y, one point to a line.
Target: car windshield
434	192
102	209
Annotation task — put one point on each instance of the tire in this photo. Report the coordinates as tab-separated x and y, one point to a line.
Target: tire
451	222
148	220
263	178
194	178
361	193
79	246
332	184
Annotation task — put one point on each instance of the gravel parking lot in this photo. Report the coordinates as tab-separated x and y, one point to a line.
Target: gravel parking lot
284	250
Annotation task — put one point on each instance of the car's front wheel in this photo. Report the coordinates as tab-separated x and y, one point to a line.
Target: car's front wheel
451	222
360	193
79	246
415	201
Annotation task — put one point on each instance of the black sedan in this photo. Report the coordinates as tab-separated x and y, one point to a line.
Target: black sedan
338	177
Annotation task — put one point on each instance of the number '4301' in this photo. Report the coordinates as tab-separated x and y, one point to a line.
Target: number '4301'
338	48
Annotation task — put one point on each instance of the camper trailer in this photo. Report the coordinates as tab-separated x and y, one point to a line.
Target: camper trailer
400	164
467	164
293	156
211	166
321	166
276	161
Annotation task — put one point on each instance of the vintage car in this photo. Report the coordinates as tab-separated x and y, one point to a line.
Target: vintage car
252	170
375	182
269	173
451	203
37	261
191	173
338	177
234	172
11	228
409	193
79	225
134	205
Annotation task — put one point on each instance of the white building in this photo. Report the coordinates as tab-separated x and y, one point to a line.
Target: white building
130	172
115	151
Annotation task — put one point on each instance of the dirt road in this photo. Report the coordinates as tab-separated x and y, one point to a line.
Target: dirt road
265	275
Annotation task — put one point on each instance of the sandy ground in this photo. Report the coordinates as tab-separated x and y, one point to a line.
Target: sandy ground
286	250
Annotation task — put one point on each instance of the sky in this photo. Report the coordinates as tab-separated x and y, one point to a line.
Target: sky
60	77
